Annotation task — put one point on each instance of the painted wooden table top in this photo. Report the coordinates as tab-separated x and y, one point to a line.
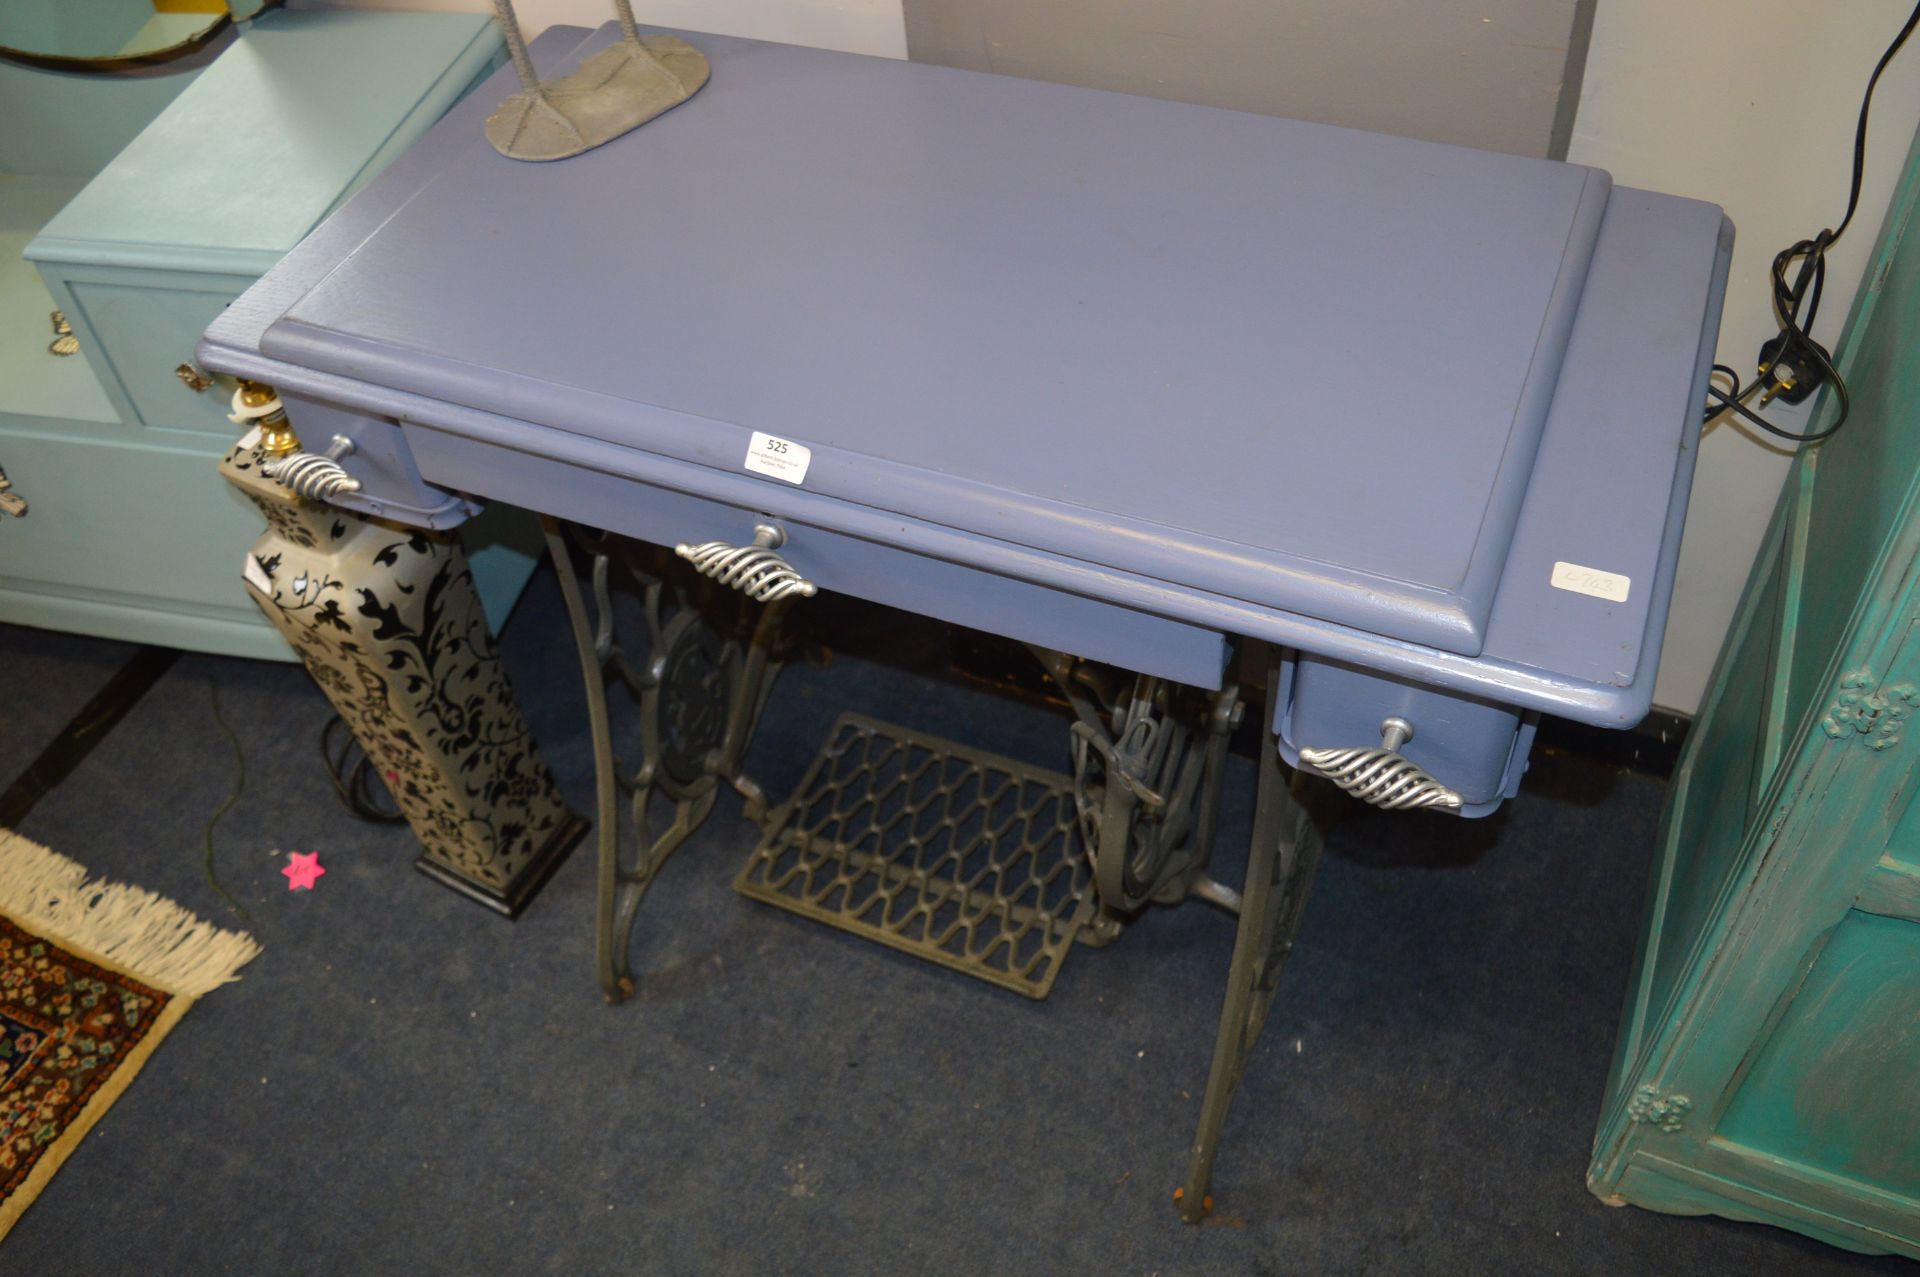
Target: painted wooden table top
1359	393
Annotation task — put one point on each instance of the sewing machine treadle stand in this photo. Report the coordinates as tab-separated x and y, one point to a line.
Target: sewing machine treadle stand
1149	765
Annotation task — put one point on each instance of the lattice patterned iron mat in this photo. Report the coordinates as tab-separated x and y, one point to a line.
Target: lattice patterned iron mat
960	857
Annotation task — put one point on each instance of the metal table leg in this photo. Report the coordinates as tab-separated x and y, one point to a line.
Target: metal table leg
1148	805
1280	867
1149	764
700	693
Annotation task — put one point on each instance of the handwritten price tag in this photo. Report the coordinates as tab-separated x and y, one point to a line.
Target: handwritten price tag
1601	585
778	458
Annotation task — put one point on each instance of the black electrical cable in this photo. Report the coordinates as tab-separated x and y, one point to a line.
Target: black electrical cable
1790	300
354	779
239	783
1736	401
1860	130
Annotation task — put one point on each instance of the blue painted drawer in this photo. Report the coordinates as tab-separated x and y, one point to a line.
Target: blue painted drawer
1477	748
836	561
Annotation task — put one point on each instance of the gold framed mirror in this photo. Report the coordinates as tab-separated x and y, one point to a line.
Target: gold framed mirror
105	35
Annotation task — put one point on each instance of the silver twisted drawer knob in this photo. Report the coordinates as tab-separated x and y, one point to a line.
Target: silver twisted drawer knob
1384	776
311	476
754	570
314	476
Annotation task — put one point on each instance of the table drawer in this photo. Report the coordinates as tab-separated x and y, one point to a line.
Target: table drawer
1477	748
862	567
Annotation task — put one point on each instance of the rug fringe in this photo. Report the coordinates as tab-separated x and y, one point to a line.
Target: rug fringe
146	935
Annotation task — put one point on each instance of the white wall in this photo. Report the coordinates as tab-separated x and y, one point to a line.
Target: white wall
853	26
1685	97
1486	73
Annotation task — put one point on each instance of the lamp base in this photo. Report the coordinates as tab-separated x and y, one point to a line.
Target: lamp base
613	92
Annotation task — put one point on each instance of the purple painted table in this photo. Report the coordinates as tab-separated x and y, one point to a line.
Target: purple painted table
1404	431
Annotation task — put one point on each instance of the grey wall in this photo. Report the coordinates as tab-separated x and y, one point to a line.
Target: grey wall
1500	74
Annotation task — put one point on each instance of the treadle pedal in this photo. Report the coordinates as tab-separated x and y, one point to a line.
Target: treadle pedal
960	857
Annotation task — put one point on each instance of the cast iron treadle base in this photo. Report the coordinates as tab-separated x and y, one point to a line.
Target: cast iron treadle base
957	856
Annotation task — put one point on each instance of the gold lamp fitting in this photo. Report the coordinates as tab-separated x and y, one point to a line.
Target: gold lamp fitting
276	433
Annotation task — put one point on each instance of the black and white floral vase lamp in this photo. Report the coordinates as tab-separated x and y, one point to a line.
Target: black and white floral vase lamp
612	92
387	620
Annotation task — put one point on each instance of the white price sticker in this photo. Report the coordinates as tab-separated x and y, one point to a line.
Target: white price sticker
1601	585
257	576
778	458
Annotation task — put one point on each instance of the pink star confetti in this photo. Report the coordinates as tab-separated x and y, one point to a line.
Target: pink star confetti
303	870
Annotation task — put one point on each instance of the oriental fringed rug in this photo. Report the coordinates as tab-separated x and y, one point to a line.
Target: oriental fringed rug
92	976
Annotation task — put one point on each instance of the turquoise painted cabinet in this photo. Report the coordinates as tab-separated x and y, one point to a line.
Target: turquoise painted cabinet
1769	1061
131	534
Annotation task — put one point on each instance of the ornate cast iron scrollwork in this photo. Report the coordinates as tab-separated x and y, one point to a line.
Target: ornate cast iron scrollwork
1148	767
700	687
694	680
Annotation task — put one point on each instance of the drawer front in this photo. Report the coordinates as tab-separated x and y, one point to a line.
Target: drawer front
135	331
1000	605
140	543
831	560
1476	748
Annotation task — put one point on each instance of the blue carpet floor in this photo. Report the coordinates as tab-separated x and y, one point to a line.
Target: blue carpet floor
404	1083
45	679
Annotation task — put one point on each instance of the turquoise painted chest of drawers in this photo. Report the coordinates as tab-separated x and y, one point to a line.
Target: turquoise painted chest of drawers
131	534
1769	1063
